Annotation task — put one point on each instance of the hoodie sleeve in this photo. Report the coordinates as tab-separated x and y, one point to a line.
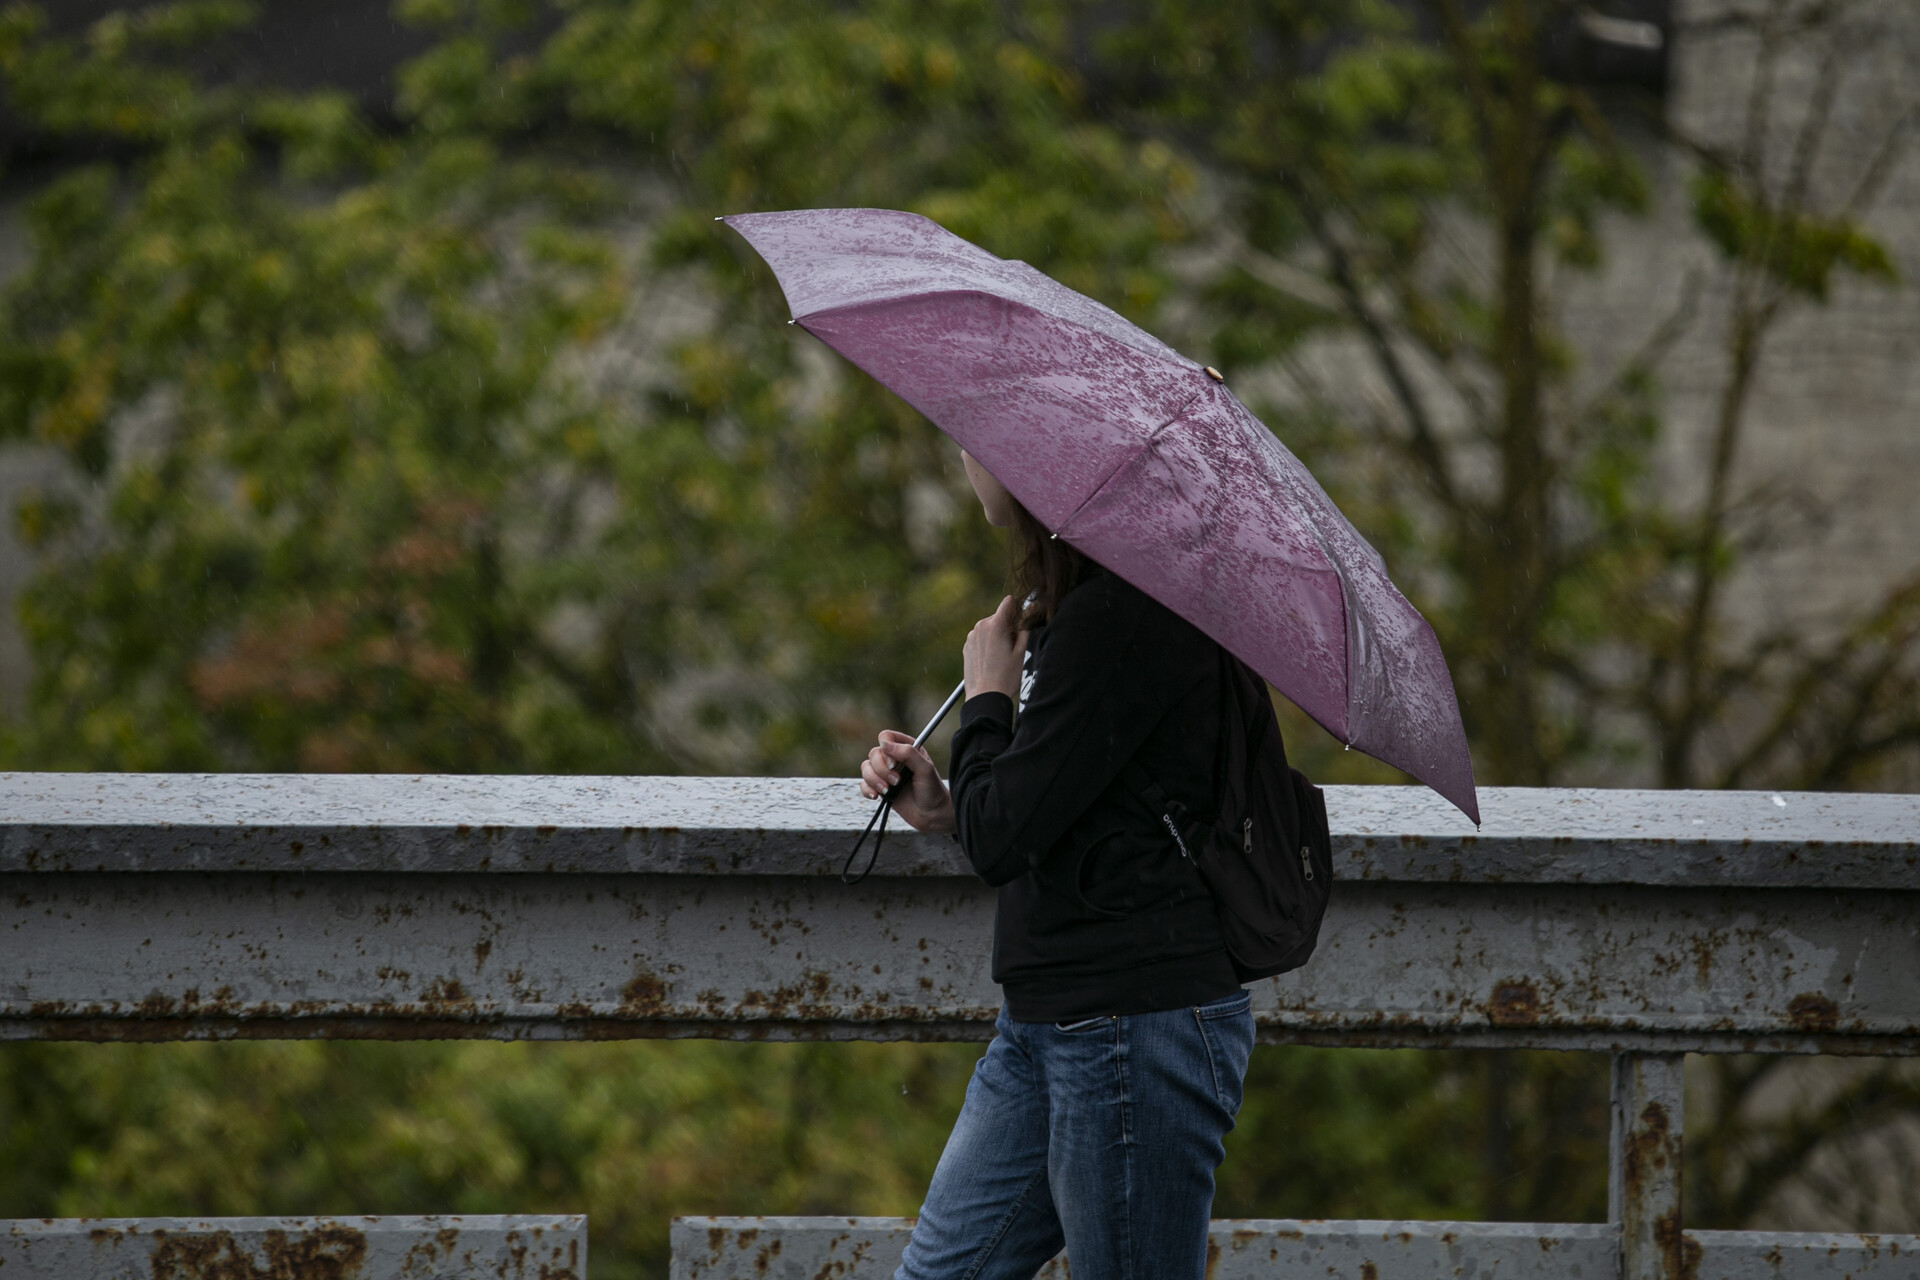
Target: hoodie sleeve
1110	667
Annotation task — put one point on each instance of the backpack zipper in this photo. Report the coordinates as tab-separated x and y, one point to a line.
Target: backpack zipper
1247	827
1305	864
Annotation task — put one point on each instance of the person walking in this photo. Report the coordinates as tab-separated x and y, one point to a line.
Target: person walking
1153	515
1097	1116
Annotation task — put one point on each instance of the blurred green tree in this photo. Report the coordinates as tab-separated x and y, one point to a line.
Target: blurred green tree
304	374
380	516
632	1134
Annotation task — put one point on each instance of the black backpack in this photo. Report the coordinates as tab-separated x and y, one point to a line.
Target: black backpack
1267	858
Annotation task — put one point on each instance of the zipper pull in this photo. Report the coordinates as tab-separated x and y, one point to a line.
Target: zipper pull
1247	827
1306	864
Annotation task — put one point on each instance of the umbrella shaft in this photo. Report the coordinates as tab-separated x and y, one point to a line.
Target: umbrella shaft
941	714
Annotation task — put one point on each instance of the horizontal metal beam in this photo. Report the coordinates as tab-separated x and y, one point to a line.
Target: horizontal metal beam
588	956
1758	1255
157	907
859	1248
400	1248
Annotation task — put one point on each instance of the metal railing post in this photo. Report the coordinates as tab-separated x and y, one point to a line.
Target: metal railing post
1643	1176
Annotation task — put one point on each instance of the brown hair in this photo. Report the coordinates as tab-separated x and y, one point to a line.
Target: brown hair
1042	568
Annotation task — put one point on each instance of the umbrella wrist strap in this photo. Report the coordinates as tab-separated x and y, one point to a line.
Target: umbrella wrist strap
880	815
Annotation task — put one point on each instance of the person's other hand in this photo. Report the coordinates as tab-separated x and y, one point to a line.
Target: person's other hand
924	803
990	660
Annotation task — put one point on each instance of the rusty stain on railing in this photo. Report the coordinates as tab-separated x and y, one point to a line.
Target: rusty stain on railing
364	1248
331	1251
615	908
869	1249
1643	924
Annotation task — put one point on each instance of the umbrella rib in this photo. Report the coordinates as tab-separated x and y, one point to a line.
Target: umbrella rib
1150	346
1124	463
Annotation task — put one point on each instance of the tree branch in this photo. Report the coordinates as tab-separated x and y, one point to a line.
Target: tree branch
1426	440
1480	96
1862	1105
1647	356
1892	631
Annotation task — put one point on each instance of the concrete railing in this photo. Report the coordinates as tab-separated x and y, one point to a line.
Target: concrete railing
1644	924
428	1248
869	1249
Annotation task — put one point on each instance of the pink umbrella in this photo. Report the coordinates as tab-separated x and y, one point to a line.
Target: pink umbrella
1138	457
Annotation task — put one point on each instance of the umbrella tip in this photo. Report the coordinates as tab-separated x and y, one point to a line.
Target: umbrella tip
1214	373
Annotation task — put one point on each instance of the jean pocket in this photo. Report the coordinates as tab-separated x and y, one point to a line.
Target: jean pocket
1083	1024
1226	1035
1227	1007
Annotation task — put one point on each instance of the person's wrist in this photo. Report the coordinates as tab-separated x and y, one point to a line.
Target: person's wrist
939	814
995	682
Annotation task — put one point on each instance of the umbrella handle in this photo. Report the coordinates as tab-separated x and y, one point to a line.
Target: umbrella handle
884	809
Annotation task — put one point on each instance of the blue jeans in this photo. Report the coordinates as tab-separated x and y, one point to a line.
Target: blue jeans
1100	1135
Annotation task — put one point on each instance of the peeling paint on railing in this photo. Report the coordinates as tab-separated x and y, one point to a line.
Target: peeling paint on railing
606	908
1648	924
369	1248
869	1249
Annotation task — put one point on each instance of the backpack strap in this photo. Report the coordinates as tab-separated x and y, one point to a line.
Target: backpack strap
1142	783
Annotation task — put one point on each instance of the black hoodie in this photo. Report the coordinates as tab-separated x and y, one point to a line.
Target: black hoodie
1098	912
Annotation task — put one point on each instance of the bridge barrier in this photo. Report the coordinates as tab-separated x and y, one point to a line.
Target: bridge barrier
1642	924
419	1248
869	1249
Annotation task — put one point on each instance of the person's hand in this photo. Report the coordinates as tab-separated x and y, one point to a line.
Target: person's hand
990	660
924	803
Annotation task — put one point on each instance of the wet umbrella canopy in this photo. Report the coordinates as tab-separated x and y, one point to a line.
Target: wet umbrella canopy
1138	457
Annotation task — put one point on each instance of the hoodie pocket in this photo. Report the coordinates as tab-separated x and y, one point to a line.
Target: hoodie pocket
1101	885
